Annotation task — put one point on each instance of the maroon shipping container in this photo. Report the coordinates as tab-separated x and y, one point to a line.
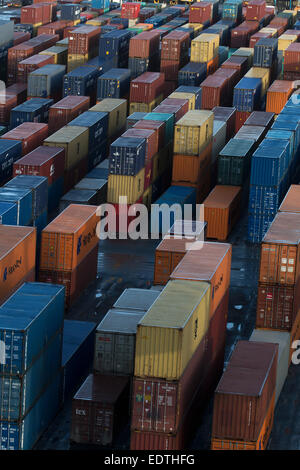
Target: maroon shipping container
232	77
145	44
214	89
241	34
170	68
255	10
240	119
74	281
260	118
168	88
180	106
65	110
277	306
143	440
75	174
32	135
201	12
151	137
175	46
99	408
145	13
20	36
26	66
18	89
55	28
7	103
146	87
280	24
226	114
257	36
84	40
158	126
39	13
43	161
237	63
291	75
245	391
160	405
292	58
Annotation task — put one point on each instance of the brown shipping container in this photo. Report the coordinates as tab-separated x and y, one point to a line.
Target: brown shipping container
99	408
170	68
292	58
146	87
180	106
245	391
257	36
240	119
232	77
226	115
151	137
279	257
20	37
213	91
43	161
65	110
277	306
74	281
278	94
237	63
161	405
222	210
175	46
17	258
54	28
7	103
291	202
167	256
144	45
158	126
32	135
84	40
211	263
189	168
26	66
67	240
260	118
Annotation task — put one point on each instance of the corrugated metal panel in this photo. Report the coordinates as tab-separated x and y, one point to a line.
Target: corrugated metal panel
136	299
130	186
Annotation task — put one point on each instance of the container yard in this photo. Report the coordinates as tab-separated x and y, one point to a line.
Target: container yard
149	226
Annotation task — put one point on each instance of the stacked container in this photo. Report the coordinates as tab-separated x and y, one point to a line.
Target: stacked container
83	45
201	12
46	82
205	48
174	54
291	67
69	250
278	94
31	134
144	53
25	67
82	81
146	92
115	45
10	151
66	110
114	84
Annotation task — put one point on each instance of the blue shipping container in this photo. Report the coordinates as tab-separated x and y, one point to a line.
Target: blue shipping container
23	198
81	81
115	43
39	187
265	199
33	110
127	156
8	213
77	354
232	9
190	89
10	152
28	320
289	122
265	52
97	155
246	94
55	192
270	163
113	84
258	225
97	123
192	74
101	171
70	11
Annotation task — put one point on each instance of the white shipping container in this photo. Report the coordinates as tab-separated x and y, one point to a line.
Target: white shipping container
219	139
283	339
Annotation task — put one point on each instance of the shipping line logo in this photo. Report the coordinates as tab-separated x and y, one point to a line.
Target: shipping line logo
11	269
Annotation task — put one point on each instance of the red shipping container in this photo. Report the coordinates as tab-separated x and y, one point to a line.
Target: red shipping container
183	106
232	77
75	174
20	36
257	36
170	68
175	46
236	63
227	115
145	44
84	40
130	10
213	91
25	67
158	126
7	103
146	87
292	58
151	137
201	12
43	161
255	10
65	110
18	89
240	119
32	135
55	28
39	13
168	88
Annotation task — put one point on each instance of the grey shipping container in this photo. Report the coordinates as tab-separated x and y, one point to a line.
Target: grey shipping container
136	299
77	196
46	81
94	184
218	139
234	162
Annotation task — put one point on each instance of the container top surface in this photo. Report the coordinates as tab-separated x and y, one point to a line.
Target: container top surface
217	125
204	266
6	144
122	320
285	229
248	368
188	89
108	104
148	77
49	69
294	47
250	132
291	202
66	134
11	236
248	83
116	74
35	59
69	102
268	149
175	304
267	42
24	130
282	338
223	112
195	117
40	155
261	118
194	67
131	142
88	118
82	71
71	219
281	86
102	388
175	245
78	195
91	183
140	299
222	196
237	147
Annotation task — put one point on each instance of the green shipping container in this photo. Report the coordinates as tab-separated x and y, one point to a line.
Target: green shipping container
234	162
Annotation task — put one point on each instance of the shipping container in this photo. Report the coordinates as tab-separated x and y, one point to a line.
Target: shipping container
265	52
39	187
256	133
78	196
8	213
31	134
33	110
82	82
147	87
191	93
46	82
291	202
201	12
117	112
127	156
25	67
113	84
192	74
269	163
168	119
292	57
10	152
190	169
152	140
144	45
234	162
226	114
167	256
84	40
260	118
65	110
120	186
97	124
158	126
193	132
244	393
278	94
99	409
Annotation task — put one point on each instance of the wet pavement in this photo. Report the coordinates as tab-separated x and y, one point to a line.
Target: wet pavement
128	263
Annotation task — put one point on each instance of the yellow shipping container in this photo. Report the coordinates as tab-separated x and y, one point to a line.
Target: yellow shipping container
197	27
117	113
263	74
142	107
121	185
172	329
204	47
75	141
59	53
185	96
62	43
285	40
193	131
76	60
293	12
272	31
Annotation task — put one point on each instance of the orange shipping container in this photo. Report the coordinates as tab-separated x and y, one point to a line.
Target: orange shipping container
280	254
17	258
211	263
222	210
167	256
278	94
291	202
69	238
188	168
